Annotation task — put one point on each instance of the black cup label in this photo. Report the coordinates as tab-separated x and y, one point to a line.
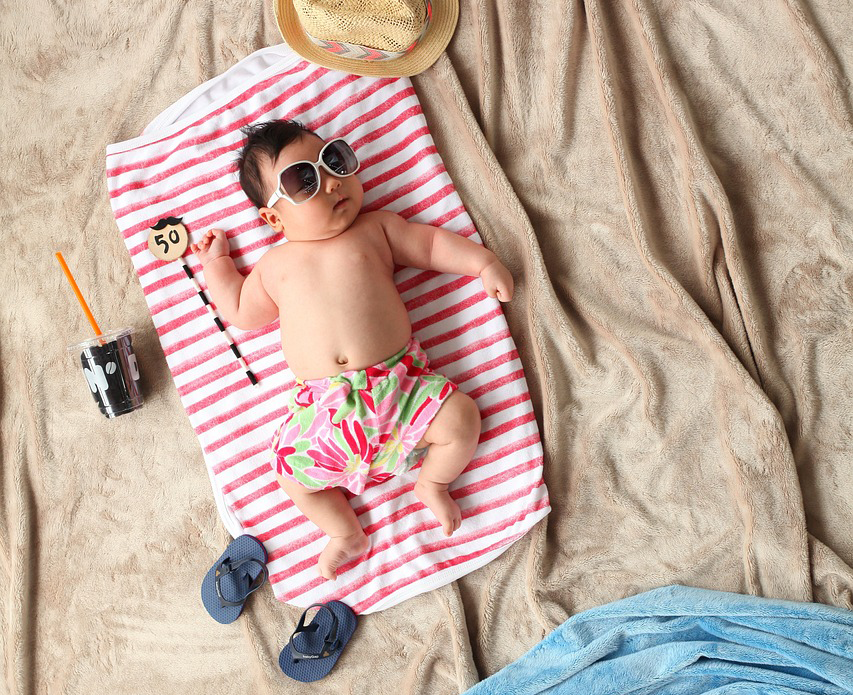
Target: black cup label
112	372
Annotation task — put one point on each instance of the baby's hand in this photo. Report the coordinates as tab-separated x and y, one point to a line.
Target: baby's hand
497	281
213	244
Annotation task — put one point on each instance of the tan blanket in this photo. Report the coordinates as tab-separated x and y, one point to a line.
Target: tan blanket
669	183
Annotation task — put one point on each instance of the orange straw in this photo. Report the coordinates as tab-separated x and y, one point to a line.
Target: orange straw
76	289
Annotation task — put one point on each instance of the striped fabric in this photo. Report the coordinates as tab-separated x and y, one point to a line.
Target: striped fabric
182	166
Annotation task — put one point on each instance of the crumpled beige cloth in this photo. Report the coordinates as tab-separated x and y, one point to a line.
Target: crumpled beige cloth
669	183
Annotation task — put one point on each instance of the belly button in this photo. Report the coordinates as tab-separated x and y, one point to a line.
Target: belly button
342	360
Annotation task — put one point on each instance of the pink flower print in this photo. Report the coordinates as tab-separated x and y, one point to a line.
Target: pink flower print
304	397
329	455
367	397
379	478
357	441
281	466
388	409
391	452
340	468
284	448
421	420
445	390
386	419
372	420
320	426
420	412
411	370
376	373
335	396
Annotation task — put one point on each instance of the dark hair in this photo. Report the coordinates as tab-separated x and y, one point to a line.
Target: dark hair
264	140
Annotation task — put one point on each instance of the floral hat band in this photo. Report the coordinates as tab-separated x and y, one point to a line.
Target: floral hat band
391	38
355	51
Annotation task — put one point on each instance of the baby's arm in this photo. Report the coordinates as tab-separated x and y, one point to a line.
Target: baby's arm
242	301
434	248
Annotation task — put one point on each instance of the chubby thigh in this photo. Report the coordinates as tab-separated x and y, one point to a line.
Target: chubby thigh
458	419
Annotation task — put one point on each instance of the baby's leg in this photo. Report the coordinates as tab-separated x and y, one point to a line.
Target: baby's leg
333	514
452	437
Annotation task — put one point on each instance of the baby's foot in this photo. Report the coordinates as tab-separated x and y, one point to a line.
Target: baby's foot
340	550
440	503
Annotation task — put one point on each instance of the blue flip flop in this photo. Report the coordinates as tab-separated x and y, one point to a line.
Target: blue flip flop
239	571
314	649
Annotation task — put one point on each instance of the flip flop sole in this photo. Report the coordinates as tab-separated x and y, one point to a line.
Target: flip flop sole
308	670
235	585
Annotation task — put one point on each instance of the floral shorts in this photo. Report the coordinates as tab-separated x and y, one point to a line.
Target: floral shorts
359	427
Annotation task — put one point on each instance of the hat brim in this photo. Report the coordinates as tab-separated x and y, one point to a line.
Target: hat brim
445	14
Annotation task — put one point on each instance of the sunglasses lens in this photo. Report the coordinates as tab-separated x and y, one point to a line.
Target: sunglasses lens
299	181
340	158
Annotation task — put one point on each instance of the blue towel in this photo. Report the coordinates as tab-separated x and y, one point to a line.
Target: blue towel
678	640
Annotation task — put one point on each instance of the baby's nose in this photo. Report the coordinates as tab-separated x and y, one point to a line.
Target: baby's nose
332	183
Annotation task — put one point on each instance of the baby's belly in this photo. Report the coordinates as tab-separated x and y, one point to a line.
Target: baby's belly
352	331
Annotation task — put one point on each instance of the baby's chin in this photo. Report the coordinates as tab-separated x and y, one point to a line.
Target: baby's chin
338	222
342	219
334	230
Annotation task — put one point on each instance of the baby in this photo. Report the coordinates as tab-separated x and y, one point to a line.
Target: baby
366	405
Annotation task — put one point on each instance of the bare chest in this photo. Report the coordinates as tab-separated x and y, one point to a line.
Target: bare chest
349	263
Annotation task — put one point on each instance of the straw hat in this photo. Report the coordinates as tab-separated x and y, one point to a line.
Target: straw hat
387	38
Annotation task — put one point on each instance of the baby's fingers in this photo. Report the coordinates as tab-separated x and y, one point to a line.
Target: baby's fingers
504	293
204	242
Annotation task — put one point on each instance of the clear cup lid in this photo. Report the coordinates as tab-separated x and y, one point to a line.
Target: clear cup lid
100	340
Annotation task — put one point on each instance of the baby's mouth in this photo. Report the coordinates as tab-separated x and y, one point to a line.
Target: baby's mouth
340	203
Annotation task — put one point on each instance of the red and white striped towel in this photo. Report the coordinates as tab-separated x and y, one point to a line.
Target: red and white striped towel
182	166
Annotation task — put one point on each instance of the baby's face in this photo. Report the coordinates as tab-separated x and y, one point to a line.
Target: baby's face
330	212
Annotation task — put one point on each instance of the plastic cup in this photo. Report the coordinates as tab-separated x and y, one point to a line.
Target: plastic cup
111	371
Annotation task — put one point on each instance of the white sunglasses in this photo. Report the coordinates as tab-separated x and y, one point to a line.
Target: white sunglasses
299	182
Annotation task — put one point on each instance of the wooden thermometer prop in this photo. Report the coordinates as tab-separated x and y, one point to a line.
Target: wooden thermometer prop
168	241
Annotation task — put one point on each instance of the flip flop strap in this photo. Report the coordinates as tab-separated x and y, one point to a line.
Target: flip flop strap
229	569
331	643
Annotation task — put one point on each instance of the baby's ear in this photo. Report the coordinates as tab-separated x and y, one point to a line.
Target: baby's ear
272	218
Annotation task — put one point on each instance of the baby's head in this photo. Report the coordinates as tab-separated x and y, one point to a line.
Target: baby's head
292	199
